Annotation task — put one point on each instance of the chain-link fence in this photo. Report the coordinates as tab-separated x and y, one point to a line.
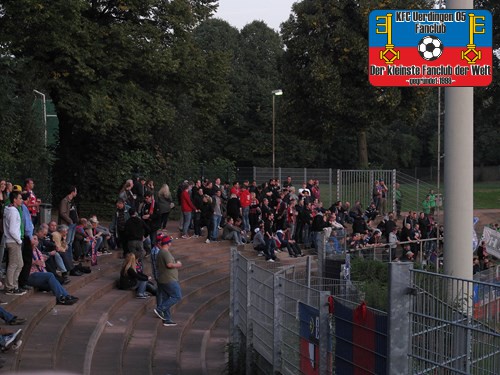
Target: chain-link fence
293	320
455	325
283	319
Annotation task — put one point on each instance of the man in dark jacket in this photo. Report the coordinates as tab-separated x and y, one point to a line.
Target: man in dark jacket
135	228
150	214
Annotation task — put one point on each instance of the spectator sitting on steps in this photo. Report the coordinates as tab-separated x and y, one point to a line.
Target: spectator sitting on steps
43	280
130	278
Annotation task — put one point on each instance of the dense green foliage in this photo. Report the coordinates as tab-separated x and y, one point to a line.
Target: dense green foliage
162	88
373	276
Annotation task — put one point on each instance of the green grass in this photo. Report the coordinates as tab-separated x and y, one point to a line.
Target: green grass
487	195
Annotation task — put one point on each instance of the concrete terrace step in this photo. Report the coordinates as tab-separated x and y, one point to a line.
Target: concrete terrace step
120	328
79	342
139	352
192	353
110	332
169	339
35	306
215	346
41	348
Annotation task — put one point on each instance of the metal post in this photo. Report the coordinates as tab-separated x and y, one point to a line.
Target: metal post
398	341
459	173
330	183
324	337
233	310
438	155
338	185
249	328
308	279
394	192
279	302
274	119
417	204
274	93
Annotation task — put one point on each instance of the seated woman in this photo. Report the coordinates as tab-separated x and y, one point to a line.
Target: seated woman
43	280
131	278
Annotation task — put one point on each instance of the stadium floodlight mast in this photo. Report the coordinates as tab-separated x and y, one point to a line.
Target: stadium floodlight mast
275	93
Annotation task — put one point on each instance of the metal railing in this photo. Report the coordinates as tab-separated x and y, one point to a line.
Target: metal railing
455	325
269	310
434	323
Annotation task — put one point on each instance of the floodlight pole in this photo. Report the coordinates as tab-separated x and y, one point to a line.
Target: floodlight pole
458	173
275	93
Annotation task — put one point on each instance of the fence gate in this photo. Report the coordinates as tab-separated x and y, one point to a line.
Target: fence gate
354	185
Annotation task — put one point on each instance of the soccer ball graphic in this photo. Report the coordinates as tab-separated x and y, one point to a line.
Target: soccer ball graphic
430	47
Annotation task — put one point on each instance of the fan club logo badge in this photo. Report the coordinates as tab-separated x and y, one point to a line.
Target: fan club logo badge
430	48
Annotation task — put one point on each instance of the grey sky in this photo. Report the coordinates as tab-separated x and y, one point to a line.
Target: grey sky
241	12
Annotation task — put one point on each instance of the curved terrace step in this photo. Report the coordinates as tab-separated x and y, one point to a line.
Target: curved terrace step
168	345
109	331
109	353
35	306
214	350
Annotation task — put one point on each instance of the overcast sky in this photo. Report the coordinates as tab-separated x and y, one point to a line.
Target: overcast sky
241	12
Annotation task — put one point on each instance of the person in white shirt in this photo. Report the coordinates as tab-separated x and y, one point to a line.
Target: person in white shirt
13	242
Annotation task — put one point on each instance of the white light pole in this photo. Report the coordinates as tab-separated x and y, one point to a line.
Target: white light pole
275	93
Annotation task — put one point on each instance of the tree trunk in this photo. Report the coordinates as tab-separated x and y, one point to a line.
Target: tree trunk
362	149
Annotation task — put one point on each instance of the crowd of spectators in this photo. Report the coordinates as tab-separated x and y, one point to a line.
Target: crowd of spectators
272	217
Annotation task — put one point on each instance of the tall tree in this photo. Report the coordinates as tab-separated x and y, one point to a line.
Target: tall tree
116	72
325	70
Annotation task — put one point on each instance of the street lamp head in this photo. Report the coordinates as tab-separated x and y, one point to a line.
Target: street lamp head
277	92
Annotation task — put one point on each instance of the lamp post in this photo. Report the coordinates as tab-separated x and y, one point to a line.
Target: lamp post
275	93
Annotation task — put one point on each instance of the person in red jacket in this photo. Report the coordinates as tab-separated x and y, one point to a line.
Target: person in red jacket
187	208
245	200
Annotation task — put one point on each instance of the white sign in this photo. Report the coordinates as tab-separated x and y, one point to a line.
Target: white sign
492	239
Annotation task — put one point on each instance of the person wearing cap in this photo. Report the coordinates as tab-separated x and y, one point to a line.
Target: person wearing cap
169	289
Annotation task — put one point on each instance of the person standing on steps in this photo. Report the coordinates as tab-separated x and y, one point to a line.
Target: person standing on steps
169	289
13	242
68	215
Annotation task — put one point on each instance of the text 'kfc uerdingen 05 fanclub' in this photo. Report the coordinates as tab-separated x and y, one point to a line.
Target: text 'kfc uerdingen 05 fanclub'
430	48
